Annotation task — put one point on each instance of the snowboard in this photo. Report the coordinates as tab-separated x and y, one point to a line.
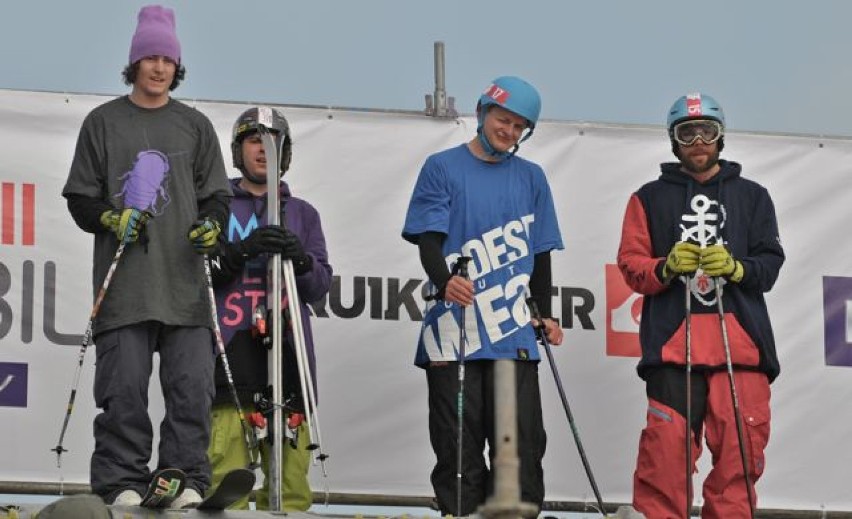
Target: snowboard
165	486
236	484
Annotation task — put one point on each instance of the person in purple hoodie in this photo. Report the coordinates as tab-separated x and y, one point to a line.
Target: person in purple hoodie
239	280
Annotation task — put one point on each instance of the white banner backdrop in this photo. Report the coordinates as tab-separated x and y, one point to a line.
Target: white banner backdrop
358	169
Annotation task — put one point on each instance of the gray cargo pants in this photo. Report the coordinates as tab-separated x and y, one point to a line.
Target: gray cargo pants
123	430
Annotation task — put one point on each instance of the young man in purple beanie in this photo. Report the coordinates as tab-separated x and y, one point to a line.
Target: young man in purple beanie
148	175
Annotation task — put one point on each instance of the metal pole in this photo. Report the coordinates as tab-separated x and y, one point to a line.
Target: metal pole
738	419
461	266
309	400
688	329
440	98
506	502
542	337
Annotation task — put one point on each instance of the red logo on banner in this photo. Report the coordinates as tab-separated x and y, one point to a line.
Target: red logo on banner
9	216
693	105
623	311
498	94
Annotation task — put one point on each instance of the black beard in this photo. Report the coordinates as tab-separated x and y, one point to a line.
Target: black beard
690	166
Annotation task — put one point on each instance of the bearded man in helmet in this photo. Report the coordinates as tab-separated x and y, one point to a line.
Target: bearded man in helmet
239	279
698	233
480	200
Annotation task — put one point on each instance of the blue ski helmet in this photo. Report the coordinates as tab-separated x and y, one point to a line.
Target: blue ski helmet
694	106
513	94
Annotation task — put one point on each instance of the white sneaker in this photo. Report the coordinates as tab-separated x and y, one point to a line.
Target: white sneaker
627	512
128	497
189	498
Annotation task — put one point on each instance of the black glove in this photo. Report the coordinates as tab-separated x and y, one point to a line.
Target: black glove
262	240
293	251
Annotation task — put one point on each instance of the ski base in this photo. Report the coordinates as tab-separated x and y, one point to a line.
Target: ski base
236	484
166	485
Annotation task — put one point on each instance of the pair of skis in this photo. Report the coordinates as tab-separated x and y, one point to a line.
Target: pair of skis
276	268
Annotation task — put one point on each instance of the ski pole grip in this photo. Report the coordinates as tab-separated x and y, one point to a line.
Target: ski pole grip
461	266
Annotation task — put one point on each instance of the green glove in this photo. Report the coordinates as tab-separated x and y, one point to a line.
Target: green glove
682	259
204	235
127	224
717	261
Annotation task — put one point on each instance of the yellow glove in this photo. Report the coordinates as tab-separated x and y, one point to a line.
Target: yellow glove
717	261
682	259
126	224
204	235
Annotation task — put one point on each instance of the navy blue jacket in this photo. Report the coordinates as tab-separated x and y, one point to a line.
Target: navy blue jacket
726	209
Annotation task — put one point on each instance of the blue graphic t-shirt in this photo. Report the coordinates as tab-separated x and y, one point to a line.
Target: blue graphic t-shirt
501	215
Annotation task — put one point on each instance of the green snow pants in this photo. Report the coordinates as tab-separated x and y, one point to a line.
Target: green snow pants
228	451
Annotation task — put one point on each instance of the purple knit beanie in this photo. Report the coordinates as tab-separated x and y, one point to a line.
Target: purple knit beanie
155	34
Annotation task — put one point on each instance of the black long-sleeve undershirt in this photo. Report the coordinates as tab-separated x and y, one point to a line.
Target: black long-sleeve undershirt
432	259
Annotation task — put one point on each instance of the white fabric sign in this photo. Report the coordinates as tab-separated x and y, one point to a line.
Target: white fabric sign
358	168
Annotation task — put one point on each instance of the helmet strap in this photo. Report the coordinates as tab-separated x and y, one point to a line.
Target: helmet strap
486	146
489	149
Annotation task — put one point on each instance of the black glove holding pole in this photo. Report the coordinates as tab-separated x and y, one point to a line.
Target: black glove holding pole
229	259
293	250
276	239
263	240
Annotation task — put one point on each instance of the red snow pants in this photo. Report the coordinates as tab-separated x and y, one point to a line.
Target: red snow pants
659	483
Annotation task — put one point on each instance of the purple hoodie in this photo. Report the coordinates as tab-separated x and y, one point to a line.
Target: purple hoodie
237	299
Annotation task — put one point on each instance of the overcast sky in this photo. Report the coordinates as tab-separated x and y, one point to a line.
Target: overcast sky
774	65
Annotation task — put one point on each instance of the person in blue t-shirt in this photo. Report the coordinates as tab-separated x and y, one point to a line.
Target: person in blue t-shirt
480	200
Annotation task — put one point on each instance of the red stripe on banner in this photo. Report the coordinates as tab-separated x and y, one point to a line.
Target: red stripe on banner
7	230
28	214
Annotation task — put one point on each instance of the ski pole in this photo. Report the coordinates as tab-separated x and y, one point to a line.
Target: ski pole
688	332
737	417
248	431
306	377
542	336
461	267
87	339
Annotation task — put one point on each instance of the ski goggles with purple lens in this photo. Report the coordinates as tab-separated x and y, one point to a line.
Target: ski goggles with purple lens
687	132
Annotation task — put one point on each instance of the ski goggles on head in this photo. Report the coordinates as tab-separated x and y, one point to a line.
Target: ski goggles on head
687	132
